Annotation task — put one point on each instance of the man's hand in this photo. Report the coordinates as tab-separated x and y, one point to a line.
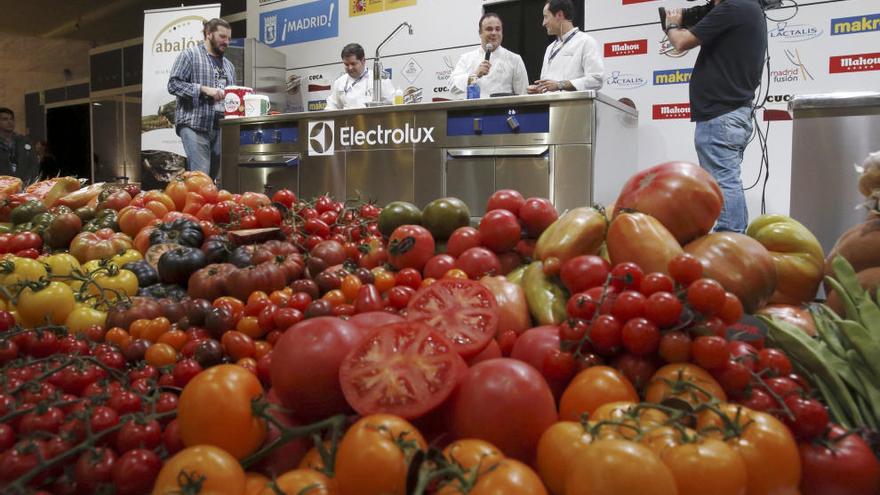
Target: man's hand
673	16
483	68
532	89
216	94
546	85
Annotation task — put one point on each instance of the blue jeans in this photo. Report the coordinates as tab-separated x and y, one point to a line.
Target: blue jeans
720	143
202	150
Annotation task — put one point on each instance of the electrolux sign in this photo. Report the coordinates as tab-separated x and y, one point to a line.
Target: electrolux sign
323	136
300	23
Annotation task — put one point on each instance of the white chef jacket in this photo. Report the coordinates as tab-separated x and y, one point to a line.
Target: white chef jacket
576	58
355	92
507	75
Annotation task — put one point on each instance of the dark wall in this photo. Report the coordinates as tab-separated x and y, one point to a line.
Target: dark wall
68	131
523	32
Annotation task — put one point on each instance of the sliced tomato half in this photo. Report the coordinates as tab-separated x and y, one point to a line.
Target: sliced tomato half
465	311
406	369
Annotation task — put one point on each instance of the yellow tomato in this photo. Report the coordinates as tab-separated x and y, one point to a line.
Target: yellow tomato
14	269
61	264
52	303
127	256
83	316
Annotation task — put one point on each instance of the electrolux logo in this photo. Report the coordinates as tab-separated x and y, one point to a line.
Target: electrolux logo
300	23
624	81
790	33
171	39
861	62
322	138
672	76
626	48
349	136
858	24
665	111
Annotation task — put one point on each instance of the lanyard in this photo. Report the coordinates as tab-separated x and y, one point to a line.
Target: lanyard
351	87
566	40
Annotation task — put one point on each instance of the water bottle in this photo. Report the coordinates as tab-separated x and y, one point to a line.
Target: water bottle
473	91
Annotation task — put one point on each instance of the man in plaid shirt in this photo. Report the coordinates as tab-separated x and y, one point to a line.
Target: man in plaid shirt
198	78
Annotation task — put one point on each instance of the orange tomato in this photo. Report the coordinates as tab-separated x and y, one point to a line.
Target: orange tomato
766	445
426	282
631	421
313	460
250	326
661	438
618	467
254	483
212	469
255	296
675	380
159	355
370	460
138	327
235	305
155	329
118	337
350	286
236	430
706	466
237	344
301	481
592	388
279	298
335	297
471	453
175	338
383	280
558	445
261	348
508	476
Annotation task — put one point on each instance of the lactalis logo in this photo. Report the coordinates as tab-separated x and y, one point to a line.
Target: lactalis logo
863	62
626	48
169	39
673	76
322	138
858	24
666	111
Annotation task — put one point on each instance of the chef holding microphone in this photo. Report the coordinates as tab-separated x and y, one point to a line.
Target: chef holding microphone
490	69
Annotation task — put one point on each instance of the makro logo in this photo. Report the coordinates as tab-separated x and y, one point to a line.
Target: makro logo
798	71
666	111
626	48
317	105
673	76
863	62
790	33
170	40
858	24
625	81
322	138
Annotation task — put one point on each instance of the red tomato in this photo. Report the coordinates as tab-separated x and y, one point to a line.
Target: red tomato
584	272
462	239
410	246
268	216
305	366
682	196
366	322
285	197
438	265
536	214
478	262
534	346
405	369
505	402
506	199
465	311
844	467
499	230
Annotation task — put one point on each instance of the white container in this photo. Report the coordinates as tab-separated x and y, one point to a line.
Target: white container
256	105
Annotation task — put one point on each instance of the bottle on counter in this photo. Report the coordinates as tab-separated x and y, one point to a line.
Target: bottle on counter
398	97
473	91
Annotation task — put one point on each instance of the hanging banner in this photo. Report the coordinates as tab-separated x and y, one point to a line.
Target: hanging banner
167	33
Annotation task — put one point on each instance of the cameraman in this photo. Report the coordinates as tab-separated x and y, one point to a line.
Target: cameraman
733	41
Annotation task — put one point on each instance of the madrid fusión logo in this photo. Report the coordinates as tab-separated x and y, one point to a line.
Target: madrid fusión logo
322	138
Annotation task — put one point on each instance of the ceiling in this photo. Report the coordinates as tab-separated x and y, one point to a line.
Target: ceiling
97	21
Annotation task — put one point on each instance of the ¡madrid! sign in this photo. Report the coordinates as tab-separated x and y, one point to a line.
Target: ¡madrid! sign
300	23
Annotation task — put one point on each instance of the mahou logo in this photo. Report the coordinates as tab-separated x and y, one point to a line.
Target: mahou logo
665	111
626	48
862	62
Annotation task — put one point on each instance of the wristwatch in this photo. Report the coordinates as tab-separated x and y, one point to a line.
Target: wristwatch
672	26
561	85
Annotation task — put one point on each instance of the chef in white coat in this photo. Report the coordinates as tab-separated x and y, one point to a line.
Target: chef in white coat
355	88
493	68
573	61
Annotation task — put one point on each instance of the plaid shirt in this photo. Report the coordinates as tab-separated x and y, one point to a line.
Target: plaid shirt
192	69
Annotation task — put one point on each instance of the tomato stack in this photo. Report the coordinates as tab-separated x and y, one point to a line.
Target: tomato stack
192	340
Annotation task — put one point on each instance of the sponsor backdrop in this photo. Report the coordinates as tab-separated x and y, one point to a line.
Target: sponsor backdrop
167	32
312	33
819	47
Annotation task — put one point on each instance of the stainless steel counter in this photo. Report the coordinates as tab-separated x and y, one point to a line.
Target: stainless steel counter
831	133
574	148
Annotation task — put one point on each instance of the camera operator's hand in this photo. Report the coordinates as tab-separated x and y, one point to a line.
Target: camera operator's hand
673	16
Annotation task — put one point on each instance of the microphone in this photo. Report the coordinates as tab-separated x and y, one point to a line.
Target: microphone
489	49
